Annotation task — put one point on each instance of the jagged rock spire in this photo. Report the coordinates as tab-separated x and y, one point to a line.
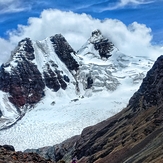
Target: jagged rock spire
101	44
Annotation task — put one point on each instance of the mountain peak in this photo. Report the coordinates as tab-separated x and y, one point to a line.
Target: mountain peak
50	71
64	51
24	50
98	44
96	36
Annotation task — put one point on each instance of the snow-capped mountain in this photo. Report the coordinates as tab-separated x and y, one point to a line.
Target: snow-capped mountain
48	82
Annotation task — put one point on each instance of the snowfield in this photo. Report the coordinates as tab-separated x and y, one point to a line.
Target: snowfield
50	123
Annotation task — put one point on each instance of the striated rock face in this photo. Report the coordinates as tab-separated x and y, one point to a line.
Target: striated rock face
123	138
133	135
8	155
64	50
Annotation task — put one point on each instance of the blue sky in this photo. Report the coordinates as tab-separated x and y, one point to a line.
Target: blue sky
124	21
14	12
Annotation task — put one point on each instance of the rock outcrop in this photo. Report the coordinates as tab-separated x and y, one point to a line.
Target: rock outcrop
64	51
54	79
150	92
57	152
102	45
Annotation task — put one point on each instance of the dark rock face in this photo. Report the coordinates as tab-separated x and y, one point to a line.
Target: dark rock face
64	50
55	79
89	82
24	83
8	147
104	46
0	113
28	50
8	155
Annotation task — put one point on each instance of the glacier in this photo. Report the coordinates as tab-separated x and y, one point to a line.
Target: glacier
64	113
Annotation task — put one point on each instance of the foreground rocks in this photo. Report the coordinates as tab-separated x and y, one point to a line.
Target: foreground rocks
8	155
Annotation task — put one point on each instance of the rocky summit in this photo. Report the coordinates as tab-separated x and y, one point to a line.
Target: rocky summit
133	135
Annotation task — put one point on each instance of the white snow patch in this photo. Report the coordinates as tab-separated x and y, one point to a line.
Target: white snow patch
9	113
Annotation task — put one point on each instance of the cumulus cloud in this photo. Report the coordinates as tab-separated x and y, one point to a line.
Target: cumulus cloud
12	6
6	48
134	39
124	3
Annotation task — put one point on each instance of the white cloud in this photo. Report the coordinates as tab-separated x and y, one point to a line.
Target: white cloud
2	2
76	28
12	6
124	3
6	48
134	2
